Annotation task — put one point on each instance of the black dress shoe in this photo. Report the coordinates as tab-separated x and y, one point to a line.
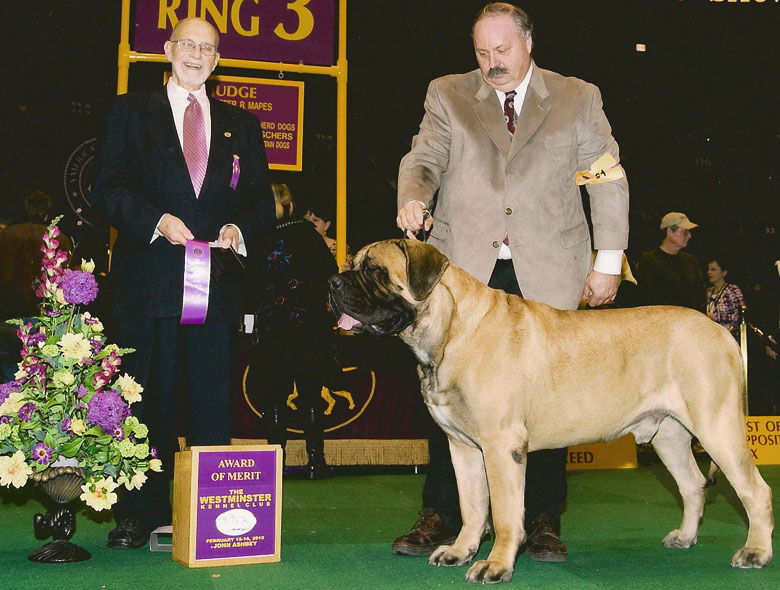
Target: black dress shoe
130	533
544	543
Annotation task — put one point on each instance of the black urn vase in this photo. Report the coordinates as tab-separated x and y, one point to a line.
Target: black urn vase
61	484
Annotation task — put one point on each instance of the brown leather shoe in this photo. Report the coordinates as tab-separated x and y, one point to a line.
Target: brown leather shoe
427	533
544	543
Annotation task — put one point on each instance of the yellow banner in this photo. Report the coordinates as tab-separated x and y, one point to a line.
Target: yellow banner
763	438
616	454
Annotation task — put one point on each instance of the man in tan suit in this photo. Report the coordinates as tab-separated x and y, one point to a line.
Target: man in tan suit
502	145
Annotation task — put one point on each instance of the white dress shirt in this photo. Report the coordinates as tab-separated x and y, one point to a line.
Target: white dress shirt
178	98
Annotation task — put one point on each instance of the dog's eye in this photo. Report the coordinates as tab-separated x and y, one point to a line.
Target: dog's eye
375	272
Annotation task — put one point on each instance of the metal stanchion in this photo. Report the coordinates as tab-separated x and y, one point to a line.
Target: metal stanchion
743	346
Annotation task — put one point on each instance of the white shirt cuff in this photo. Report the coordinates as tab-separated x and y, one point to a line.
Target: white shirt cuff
241	245
608	262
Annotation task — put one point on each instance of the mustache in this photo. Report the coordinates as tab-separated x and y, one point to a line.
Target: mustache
497	71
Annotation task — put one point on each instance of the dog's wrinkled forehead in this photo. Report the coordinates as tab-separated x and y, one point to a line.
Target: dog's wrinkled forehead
383	258
410	268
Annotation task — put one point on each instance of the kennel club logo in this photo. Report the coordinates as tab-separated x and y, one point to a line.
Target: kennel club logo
78	176
346	401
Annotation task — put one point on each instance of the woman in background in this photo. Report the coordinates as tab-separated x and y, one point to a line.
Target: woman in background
724	299
292	329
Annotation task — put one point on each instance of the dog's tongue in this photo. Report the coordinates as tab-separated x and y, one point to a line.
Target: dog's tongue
347	322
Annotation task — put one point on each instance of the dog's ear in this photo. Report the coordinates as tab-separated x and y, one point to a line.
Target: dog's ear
424	267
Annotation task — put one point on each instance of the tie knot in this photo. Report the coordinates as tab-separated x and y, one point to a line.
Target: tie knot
191	98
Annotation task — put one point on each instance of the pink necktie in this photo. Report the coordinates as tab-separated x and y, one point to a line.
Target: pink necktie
195	152
509	111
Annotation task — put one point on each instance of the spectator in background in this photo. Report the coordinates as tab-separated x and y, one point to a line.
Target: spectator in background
668	276
20	257
322	213
293	329
724	300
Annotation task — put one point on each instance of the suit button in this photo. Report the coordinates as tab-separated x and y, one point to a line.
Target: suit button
508	211
496	244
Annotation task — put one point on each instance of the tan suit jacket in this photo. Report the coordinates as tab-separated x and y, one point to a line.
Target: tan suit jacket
491	183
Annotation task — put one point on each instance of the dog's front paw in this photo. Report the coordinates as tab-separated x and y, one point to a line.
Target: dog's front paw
751	557
449	555
676	539
488	572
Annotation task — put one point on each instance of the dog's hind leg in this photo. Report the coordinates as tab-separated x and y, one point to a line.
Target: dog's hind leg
474	502
725	441
672	442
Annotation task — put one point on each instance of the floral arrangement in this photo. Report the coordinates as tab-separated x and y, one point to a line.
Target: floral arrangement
68	400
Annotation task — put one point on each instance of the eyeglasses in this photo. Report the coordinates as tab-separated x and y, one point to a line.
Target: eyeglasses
189	46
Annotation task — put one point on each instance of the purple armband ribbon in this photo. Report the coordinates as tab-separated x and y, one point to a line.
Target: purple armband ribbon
236	172
197	274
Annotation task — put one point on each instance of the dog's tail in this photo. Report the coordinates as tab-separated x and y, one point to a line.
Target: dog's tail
712	475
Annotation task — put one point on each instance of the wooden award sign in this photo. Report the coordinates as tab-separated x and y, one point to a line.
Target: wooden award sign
227	505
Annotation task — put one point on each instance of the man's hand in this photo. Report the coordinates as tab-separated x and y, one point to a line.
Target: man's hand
600	288
411	217
174	230
229	237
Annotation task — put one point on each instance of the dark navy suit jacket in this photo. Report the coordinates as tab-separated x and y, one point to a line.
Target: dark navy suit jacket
143	175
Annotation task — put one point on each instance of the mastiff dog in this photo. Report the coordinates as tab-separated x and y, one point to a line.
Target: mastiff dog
504	376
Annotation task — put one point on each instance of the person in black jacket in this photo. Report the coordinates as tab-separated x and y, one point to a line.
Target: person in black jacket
293	329
177	165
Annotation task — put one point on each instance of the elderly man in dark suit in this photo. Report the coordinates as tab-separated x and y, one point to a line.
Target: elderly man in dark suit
178	165
502	145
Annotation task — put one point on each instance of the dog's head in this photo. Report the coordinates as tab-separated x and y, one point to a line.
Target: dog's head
388	282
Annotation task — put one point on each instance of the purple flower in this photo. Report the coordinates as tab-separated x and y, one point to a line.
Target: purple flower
119	433
107	410
65	425
96	345
42	453
25	412
5	420
7	388
35	338
79	287
53	313
153	452
81	391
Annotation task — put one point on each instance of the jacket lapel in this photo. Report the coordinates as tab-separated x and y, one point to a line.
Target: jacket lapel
535	108
163	131
219	150
490	114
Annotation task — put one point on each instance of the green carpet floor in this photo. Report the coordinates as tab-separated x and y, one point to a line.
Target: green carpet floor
337	535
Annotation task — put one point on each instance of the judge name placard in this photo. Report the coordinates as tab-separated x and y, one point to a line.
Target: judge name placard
279	106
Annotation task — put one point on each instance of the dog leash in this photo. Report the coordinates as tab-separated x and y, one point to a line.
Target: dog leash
421	232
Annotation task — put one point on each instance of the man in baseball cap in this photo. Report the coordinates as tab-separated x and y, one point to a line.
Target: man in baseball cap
668	276
679	219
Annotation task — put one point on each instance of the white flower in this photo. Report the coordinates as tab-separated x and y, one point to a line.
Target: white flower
138	479
12	403
88	266
155	465
131	390
74	346
102	496
77	426
14	470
